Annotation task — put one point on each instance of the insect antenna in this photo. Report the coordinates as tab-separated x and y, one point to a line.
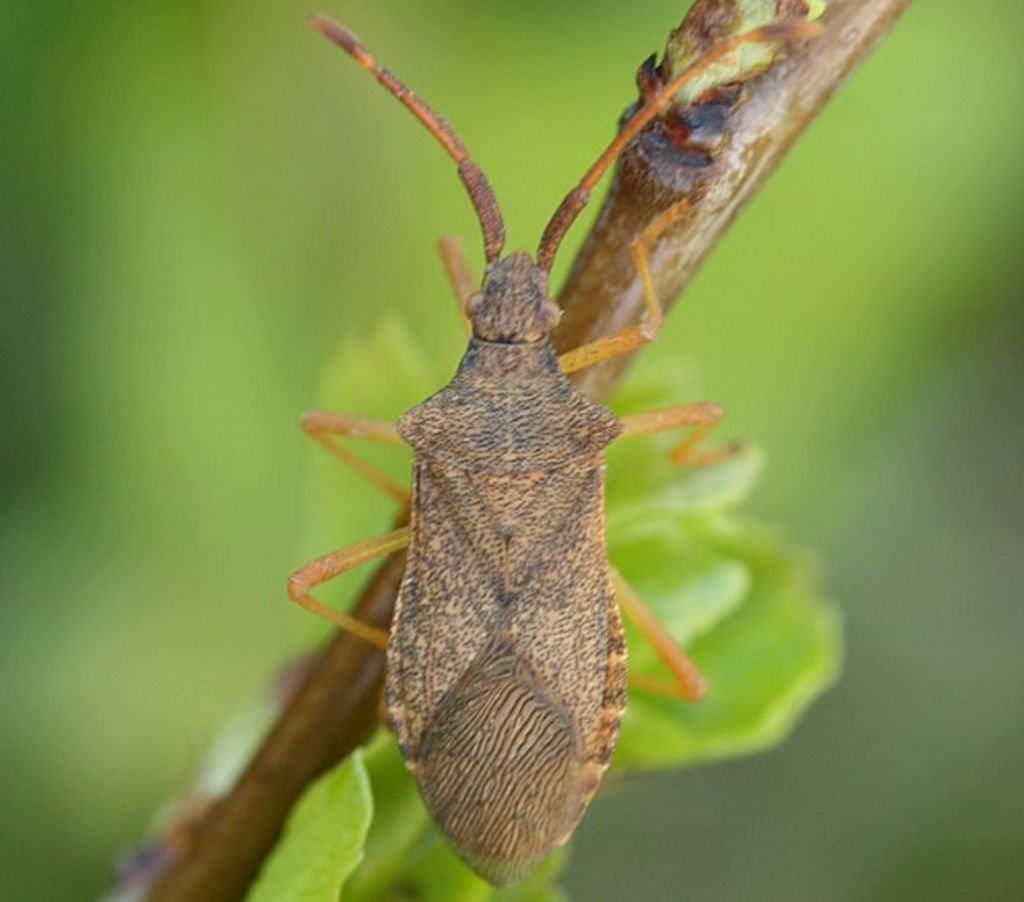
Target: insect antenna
472	175
577	199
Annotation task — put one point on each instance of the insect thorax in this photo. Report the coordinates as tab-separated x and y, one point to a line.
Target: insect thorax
509	407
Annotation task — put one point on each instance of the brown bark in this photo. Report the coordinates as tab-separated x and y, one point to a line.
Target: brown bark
335	709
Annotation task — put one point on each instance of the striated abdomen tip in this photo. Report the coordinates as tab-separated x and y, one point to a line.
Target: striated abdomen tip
500	770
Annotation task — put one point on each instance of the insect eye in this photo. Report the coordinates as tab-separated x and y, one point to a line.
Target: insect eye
473	304
552	314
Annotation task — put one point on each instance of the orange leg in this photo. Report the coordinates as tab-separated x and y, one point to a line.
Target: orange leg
459	276
632	337
327	567
320	425
700	418
688	682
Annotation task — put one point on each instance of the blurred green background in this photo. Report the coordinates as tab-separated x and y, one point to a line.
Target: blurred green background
202	198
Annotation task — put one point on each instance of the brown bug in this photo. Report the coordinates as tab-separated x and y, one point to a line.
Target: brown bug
506	664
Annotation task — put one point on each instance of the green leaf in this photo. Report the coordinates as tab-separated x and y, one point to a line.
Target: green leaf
399	822
666	498
765	661
740	599
323	839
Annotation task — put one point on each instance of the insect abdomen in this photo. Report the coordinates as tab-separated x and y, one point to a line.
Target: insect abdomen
500	767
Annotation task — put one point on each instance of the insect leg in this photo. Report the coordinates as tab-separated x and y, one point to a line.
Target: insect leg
459	276
632	337
700	417
688	682
327	567
319	425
